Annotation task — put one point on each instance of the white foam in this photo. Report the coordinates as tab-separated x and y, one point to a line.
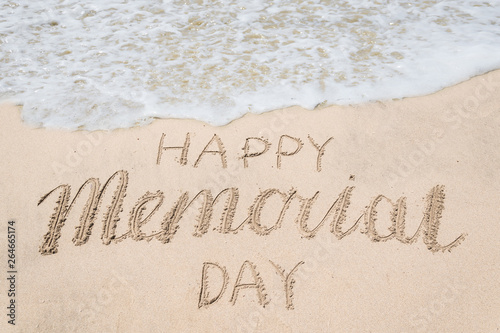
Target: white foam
105	65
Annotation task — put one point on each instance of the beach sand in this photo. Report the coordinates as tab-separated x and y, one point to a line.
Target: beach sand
386	169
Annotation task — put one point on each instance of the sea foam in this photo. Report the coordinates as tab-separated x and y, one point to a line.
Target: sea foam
113	64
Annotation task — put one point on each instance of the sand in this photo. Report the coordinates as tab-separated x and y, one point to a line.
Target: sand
373	218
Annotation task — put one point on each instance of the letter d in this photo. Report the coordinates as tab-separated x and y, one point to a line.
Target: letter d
204	294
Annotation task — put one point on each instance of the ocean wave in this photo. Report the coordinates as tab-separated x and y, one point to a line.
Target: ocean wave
115	64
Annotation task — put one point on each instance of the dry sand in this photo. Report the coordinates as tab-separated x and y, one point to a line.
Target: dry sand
428	163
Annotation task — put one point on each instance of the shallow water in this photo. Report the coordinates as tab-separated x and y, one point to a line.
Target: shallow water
117	64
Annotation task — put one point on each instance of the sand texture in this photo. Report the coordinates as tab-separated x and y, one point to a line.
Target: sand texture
375	218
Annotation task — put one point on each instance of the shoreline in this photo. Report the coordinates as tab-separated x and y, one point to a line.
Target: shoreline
320	106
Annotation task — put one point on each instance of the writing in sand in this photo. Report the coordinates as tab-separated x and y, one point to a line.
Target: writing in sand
206	203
